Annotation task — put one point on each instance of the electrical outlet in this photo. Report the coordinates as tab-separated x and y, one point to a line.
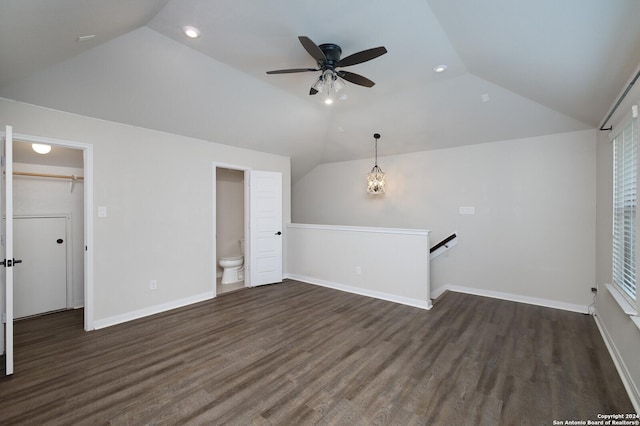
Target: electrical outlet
153	284
358	270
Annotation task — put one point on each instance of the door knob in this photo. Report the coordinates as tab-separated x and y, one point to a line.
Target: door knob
278	233
59	241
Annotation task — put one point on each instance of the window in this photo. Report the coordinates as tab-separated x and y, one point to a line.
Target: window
625	183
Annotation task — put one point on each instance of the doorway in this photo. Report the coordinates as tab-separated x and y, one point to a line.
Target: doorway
76	159
262	224
48	208
7	206
230	229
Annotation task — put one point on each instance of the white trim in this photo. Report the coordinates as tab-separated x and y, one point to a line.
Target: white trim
618	361
636	320
583	309
88	238
20	137
421	232
152	310
416	303
246	189
230	166
621	299
87	150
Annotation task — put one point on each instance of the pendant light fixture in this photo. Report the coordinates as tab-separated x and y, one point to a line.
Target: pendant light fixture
375	179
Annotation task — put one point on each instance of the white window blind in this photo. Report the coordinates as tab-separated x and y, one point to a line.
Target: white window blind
625	183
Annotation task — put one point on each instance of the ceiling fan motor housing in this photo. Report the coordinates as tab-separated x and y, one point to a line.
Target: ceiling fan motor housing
332	52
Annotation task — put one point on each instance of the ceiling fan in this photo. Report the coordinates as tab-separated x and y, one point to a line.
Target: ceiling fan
328	59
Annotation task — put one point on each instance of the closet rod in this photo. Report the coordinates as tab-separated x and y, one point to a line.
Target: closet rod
72	177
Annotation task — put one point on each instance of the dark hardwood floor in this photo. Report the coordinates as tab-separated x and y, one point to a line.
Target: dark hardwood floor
293	353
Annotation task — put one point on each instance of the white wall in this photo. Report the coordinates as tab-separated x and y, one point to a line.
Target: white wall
34	196
229	212
158	189
532	237
389	264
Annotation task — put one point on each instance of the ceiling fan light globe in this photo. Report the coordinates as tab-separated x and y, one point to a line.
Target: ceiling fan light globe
318	85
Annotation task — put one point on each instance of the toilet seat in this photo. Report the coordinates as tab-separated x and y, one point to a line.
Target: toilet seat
232	258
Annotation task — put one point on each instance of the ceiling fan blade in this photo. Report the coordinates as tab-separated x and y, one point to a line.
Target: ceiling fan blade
364	56
356	78
292	70
313	91
312	48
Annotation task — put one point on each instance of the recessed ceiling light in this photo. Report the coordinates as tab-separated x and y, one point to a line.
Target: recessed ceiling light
440	68
191	32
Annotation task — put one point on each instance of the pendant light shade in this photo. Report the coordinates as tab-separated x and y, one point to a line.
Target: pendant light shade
375	178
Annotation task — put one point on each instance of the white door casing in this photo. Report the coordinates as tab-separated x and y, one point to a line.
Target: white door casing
265	228
87	150
6	195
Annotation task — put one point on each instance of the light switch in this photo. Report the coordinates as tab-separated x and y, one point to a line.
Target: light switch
102	211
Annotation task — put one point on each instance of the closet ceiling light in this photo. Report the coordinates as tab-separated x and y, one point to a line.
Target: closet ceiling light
41	148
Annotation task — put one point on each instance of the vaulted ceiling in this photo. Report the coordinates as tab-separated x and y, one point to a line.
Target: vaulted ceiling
515	69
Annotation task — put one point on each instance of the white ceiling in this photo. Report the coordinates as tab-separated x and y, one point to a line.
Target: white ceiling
545	66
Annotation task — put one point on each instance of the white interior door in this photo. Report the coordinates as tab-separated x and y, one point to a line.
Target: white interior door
6	198
265	228
40	283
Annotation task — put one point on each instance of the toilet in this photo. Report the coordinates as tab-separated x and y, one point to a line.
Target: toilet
233	267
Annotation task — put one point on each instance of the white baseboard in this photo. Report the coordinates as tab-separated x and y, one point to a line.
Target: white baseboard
583	309
152	310
618	361
416	303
